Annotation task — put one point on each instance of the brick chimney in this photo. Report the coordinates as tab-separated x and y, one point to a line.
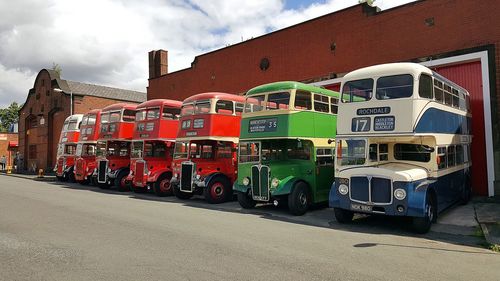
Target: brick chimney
158	63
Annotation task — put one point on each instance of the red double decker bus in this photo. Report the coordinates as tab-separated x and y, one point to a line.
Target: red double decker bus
114	144
205	160
156	124
66	148
85	162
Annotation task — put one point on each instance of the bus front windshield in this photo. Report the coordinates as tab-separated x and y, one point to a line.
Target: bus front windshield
351	152
275	150
181	150
86	149
118	148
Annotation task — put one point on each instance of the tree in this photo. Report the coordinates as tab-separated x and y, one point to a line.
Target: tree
9	116
369	2
57	68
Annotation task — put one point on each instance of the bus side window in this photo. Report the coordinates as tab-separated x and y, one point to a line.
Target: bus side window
373	152
460	154
303	100
451	154
224	107
239	108
324	156
334	105
383	152
425	87
321	103
438	90
441	157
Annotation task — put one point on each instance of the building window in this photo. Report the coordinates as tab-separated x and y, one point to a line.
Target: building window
32	152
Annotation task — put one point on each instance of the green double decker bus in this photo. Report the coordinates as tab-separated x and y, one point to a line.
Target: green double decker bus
287	141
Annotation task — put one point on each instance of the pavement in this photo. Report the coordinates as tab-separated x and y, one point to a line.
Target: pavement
60	231
480	215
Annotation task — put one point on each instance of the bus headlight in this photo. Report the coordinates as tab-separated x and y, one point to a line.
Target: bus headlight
198	177
343	189
400	194
246	181
275	182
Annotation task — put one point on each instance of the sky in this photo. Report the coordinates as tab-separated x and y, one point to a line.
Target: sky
106	42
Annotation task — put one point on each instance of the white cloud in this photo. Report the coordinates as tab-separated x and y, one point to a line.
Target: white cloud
107	41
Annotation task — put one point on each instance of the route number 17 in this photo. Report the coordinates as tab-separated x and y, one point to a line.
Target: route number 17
361	124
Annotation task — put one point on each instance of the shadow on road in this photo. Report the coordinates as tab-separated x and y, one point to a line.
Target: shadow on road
317	217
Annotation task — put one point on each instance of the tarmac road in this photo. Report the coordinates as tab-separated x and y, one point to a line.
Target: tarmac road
50	231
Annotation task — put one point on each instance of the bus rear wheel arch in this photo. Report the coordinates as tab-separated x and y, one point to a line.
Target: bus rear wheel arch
299	199
120	181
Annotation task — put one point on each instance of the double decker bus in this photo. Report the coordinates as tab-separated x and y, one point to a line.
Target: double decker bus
67	147
85	162
403	144
286	144
205	160
114	145
156	125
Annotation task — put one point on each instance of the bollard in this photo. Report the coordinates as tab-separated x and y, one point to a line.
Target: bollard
40	173
9	170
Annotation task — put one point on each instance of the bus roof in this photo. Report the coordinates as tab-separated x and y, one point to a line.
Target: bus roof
119	106
217	95
288	85
396	68
160	102
93	111
74	117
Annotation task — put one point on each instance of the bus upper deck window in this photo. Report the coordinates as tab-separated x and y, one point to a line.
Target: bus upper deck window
278	100
334	105
255	103
425	86
153	113
187	109
171	113
357	90
395	87
224	107
303	100
321	103
239	108
128	115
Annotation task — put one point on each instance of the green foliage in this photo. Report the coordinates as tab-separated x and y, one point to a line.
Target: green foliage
57	68
9	116
369	2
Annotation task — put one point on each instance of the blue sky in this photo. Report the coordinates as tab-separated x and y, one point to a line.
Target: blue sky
110	47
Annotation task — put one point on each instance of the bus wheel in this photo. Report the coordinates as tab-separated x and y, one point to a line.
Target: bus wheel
103	185
182	195
59	178
218	190
64	177
86	181
121	181
298	200
423	224
245	200
342	215
162	186
71	176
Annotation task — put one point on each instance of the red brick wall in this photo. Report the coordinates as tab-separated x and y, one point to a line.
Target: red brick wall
5	138
303	51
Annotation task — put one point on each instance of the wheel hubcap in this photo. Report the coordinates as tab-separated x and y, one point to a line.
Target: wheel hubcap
430	212
165	185
303	199
217	190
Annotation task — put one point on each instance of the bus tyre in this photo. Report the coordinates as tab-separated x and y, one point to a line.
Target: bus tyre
59	178
423	224
86	181
182	195
162	187
71	175
343	215
298	200
218	190
121	181
64	177
103	185
245	200
137	189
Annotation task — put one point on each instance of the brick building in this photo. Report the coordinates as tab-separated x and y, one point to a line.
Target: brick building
458	38
8	146
49	102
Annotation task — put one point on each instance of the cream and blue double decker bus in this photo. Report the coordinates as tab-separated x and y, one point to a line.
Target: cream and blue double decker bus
403	144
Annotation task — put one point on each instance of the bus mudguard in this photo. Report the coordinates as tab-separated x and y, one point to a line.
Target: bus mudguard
285	186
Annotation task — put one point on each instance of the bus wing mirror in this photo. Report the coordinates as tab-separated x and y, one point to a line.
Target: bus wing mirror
330	141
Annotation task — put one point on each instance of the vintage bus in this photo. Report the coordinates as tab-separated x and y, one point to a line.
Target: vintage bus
403	144
286	144
67	147
156	125
85	162
114	145
205	159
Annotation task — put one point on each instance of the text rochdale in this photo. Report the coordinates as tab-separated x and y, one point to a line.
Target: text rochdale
374	110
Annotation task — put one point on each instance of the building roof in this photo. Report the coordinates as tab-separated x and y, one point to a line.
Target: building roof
85	89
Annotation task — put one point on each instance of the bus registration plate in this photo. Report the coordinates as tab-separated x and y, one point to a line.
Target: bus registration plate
358	207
